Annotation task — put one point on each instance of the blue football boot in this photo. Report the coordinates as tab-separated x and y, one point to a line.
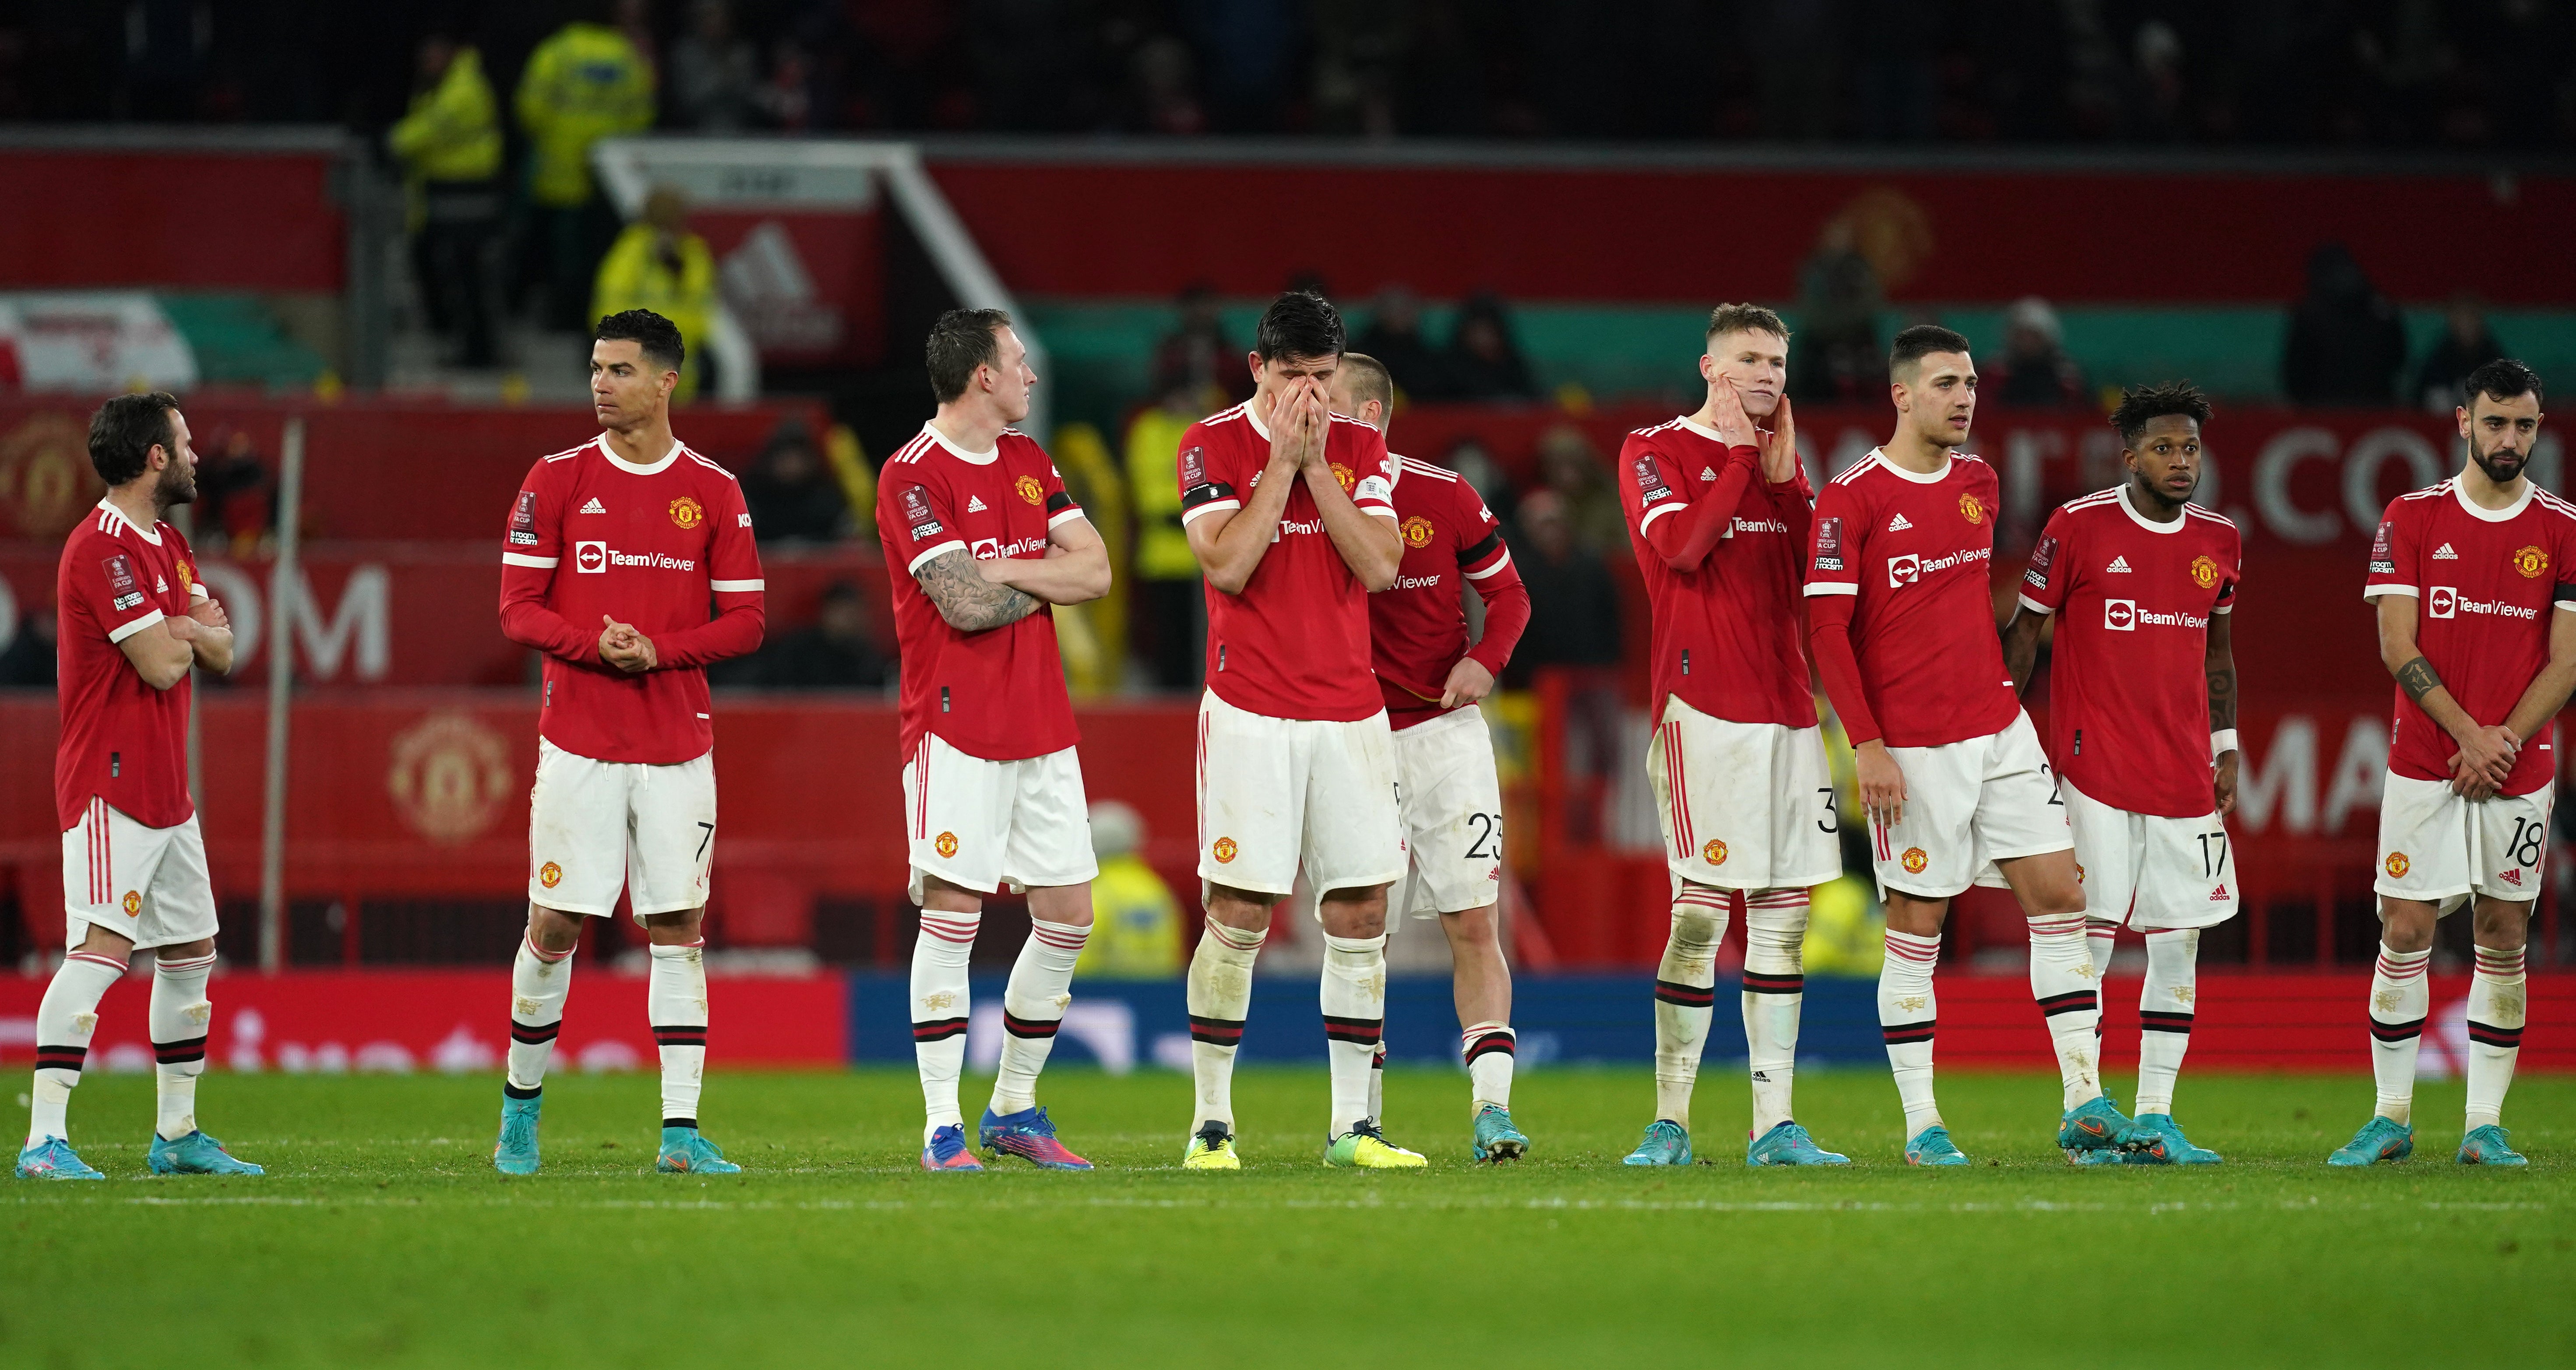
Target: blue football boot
1932	1146
516	1152
54	1159
684	1152
947	1150
2485	1146
1030	1135
1666	1143
2177	1149
1496	1139
1789	1144
196	1154
2098	1125
2380	1139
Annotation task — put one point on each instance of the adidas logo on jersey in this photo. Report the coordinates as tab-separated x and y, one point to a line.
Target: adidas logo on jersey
2120	564
974	504
1898	524
2444	553
1708	473
594	507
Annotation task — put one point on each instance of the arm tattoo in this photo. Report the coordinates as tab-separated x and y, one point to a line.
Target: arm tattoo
2222	697
2418	679
969	602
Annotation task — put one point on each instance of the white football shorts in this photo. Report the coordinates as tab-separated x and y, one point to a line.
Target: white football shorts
1452	806
595	827
1968	805
146	884
1278	793
2155	872
1744	806
989	825
2435	845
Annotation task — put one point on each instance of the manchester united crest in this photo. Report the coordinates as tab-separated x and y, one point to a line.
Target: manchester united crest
1223	851
2531	561
2398	865
133	904
450	776
550	875
1971	510
1714	853
1914	860
946	844
1027	486
687	512
1417	531
2204	572
1343	474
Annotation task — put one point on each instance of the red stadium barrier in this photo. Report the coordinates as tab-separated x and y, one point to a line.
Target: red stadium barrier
176	217
403	1021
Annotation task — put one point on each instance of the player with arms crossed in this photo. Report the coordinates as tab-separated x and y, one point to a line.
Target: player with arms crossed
974	510
2142	722
1289	509
612	554
1447	792
1951	772
1718	513
135	619
2474	579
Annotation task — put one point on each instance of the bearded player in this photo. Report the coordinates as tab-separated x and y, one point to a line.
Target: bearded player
1289	509
1950	769
2473	579
2142	722
975	512
1447	792
613	554
136	619
1718	512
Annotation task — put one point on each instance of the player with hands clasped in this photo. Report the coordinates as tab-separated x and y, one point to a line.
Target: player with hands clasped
1289	509
136	620
2142	722
1951	772
612	554
1718	512
977	515
2473	580
1448	792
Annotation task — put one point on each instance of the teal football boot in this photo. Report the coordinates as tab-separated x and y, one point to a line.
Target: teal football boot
1932	1146
1666	1143
196	1154
2380	1139
684	1152
516	1152
54	1159
2176	1149
2098	1125
1496	1139
1789	1144
2486	1146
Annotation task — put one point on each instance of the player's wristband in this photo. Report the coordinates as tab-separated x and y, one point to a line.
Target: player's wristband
2221	743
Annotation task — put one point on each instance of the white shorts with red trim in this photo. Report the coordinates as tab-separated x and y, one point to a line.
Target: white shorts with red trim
1743	806
596	827
2435	846
2152	872
989	825
1452	807
1969	805
148	885
1276	794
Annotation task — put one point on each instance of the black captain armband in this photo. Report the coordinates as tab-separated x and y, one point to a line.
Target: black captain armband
1209	493
2563	594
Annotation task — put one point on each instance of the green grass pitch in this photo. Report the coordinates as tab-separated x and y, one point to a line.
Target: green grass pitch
381	1235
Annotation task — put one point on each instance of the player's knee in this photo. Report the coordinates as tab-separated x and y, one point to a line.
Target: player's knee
1477	927
2500	925
553	929
185	951
102	942
677	928
1355	912
2406	924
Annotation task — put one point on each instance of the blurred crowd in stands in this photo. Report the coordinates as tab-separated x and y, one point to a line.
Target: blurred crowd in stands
2470	73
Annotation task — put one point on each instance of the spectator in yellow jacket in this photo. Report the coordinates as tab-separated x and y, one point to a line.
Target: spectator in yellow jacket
658	264
1136	923
584	83
449	144
1170	605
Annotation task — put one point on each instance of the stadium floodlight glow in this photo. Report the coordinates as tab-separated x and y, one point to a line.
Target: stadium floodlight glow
818	175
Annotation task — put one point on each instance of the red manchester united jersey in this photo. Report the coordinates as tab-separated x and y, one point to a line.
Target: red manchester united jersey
1295	643
2128	691
2485	582
999	693
651	546
1916	550
1728	634
1418	626
122	741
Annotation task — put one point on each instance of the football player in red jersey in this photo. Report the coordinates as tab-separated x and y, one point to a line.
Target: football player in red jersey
975	513
1718	513
135	619
1448	792
612	554
2474	579
1289	509
1951	772
2142	721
